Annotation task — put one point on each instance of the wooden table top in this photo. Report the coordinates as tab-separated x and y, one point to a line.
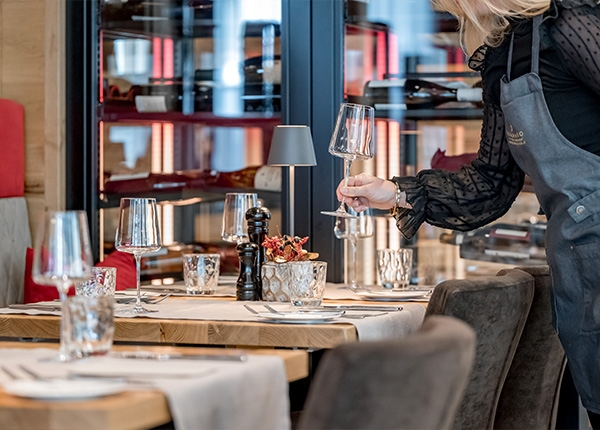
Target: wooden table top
198	332
127	410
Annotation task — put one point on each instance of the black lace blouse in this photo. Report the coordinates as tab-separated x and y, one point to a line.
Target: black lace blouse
570	72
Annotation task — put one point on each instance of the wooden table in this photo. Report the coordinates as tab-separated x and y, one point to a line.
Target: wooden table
127	410
192	332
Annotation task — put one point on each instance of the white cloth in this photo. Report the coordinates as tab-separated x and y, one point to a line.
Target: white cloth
202	394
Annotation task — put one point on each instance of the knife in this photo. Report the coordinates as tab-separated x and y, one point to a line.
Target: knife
33	307
364	308
142	355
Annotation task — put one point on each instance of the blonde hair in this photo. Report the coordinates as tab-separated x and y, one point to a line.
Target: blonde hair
486	21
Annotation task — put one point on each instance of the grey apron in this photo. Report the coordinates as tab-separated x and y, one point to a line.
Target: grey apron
566	180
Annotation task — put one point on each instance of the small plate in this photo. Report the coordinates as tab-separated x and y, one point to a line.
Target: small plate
393	295
60	389
300	317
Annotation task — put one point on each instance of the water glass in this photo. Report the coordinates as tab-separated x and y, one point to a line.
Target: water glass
307	282
103	282
394	267
201	273
89	325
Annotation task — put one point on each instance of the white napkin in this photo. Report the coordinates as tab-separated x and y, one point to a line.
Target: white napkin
201	393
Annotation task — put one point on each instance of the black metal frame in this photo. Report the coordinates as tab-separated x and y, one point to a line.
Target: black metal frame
312	51
81	120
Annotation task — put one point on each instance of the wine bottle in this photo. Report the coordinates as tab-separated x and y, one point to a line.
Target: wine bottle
502	243
266	178
416	94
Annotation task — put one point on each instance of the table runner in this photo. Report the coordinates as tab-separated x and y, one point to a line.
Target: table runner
389	325
217	395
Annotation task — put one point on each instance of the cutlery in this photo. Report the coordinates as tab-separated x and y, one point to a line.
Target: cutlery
254	311
10	373
364	308
362	316
273	310
49	308
141	355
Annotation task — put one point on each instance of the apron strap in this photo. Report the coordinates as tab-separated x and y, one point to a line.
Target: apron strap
535	44
535	48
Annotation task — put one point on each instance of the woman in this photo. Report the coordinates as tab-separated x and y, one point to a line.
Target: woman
540	67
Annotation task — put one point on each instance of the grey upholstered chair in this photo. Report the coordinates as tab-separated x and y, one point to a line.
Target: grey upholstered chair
529	397
415	382
496	307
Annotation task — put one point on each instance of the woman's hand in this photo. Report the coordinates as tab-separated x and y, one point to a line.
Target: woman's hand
366	191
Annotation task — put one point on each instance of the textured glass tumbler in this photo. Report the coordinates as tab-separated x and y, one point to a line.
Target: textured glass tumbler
102	283
307	283
201	273
89	325
394	267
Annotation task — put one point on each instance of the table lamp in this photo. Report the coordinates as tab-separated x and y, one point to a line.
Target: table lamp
292	146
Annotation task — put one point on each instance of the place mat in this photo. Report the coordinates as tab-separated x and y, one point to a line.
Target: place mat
257	388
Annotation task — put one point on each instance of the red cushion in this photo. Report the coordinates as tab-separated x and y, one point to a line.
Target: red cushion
124	263
12	149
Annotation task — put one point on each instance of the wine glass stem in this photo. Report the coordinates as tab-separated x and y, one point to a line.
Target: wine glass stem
347	166
138	299
65	326
352	263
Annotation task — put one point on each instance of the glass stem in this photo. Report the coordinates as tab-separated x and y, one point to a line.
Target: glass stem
65	326
347	166
138	298
352	263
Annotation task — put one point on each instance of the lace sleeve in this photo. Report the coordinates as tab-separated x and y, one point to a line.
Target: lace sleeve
576	33
470	197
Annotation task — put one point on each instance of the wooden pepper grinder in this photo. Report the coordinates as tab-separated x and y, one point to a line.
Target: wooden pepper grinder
246	287
258	228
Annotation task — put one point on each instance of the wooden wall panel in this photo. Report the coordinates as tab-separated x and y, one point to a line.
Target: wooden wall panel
32	73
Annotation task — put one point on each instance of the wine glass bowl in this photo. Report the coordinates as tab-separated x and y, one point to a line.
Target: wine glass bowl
62	258
138	233
352	139
234	226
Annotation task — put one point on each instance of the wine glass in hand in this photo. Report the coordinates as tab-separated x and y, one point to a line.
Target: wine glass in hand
62	257
352	139
138	233
358	226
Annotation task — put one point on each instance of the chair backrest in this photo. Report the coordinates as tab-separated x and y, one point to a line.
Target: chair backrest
496	307
529	397
407	383
15	235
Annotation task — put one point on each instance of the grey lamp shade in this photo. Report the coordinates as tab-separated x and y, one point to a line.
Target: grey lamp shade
292	145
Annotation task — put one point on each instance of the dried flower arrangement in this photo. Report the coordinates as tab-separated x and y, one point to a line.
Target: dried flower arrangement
282	249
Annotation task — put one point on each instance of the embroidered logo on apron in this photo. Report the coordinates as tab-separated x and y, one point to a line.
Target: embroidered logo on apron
515	137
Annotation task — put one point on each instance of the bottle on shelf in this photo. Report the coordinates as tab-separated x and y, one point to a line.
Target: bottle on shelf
502	243
416	94
266	178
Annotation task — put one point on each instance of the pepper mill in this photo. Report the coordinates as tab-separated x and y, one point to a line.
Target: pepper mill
258	229
246	287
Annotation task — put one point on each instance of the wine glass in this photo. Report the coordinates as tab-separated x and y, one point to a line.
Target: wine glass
62	257
352	139
235	226
357	226
138	233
